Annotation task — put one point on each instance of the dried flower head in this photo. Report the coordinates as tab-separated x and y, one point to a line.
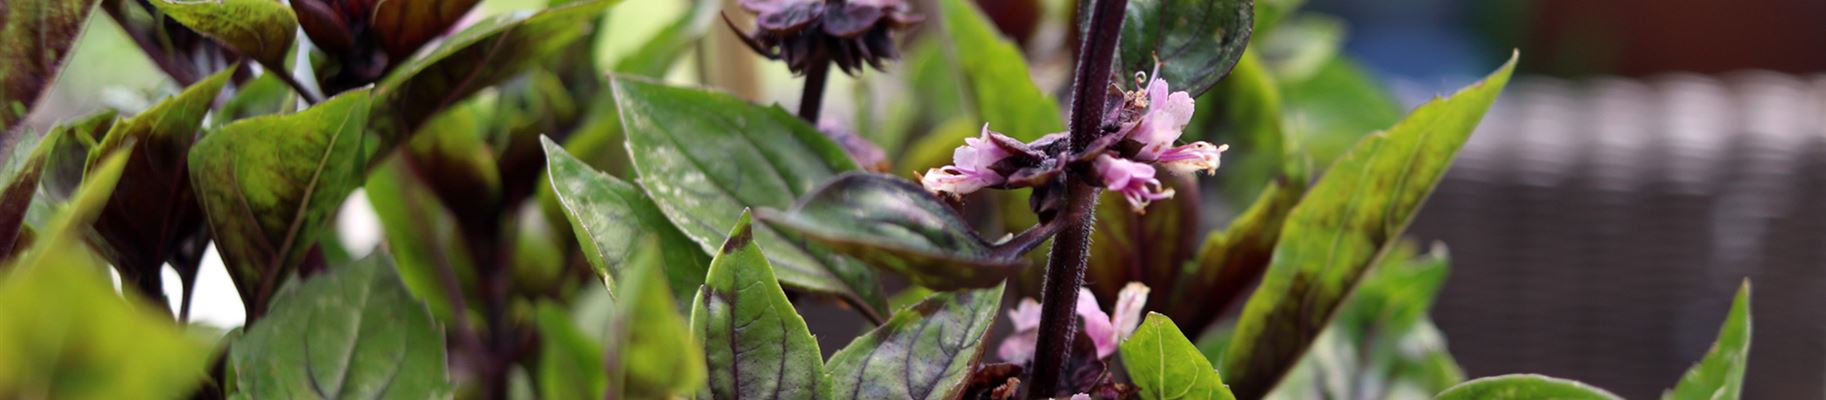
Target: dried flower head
807	33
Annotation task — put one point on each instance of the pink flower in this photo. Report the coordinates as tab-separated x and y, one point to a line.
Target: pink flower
1191	158
1134	180
970	167
1106	332
1164	121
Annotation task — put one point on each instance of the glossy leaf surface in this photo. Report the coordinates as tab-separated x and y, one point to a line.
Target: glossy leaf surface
755	344
925	352
1342	227
612	219
705	157
1195	41
894	224
1165	365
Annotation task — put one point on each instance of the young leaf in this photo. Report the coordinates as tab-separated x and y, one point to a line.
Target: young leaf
658	357
39	34
480	56
1524	387
706	156
260	29
612	218
570	363
999	85
1720	375
1165	365
403	26
353	332
755	343
1195	42
924	352
1342	226
154	209
894	224
268	185
64	165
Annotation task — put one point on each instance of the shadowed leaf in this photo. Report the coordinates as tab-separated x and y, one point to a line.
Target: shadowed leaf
422	236
353	332
64	165
21	186
154	209
1148	248
1165	365
404	25
269	185
705	156
894	224
261	29
612	218
755	343
35	36
658	357
480	56
1342	227
1195	41
1720	375
1524	387
1229	261
924	352
999	85
570	363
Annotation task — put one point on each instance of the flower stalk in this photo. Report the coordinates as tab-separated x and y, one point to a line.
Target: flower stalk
1071	248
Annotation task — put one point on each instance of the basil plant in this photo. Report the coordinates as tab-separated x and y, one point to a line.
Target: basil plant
564	222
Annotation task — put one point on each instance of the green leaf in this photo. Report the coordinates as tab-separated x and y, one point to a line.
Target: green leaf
999	85
755	343
1195	41
1342	226
154	210
1720	375
68	159
924	352
705	156
894	224
260	29
1523	387
1381	345
659	358
79	339
1335	107
352	332
39	34
570	363
422	236
612	218
482	55
1304	45
1230	260
268	185
262	96
1165	365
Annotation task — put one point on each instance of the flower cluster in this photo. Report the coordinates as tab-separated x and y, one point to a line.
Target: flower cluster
1105	330
1150	120
807	33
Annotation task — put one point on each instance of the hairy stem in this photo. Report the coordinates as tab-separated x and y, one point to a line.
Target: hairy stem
1071	248
812	99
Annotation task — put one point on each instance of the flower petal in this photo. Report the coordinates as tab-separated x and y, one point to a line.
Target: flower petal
1192	158
1096	323
1129	303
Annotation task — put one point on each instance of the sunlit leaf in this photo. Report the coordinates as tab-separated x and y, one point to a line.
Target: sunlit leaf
154	209
269	185
35	36
260	29
925	352
706	156
894	224
353	332
1720	375
1165	365
1524	387
999	85
755	343
1342	226
612	218
1195	41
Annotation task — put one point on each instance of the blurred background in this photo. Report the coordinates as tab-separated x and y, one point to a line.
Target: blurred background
1648	157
